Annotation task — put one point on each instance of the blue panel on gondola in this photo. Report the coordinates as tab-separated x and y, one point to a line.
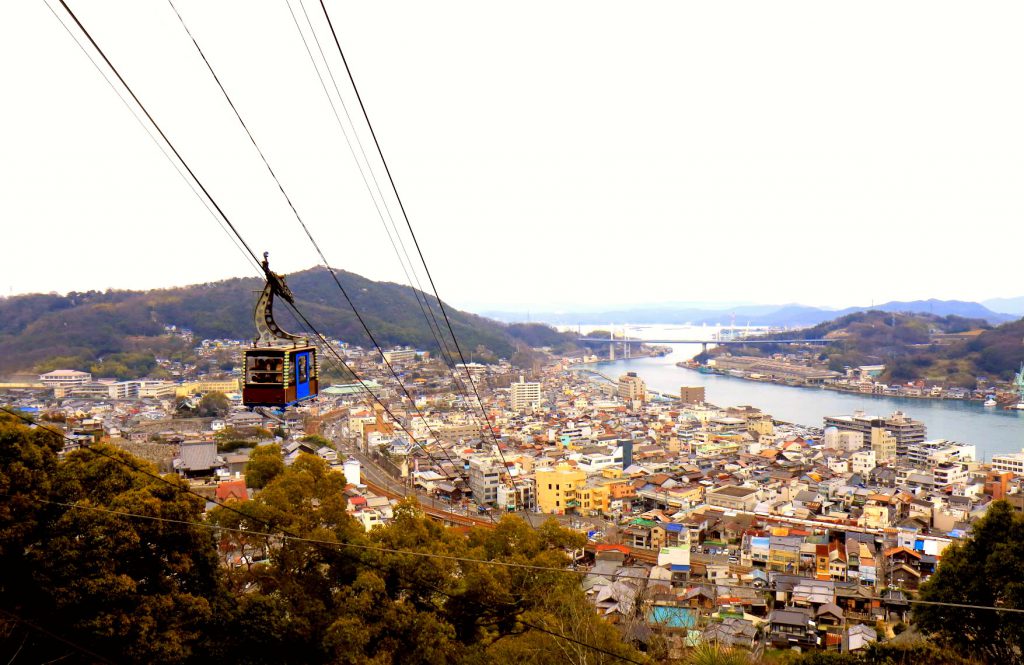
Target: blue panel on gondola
303	374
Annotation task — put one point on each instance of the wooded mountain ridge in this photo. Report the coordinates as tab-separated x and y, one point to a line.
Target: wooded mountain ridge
947	349
90	325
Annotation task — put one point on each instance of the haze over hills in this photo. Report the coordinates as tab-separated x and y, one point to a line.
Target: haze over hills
83	327
1008	305
791	315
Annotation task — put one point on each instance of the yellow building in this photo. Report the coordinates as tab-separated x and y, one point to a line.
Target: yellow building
207	386
557	489
763	426
593	499
883	442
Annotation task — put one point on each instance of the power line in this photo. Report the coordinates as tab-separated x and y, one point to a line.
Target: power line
280	186
471	560
585	644
457	559
309	234
156	141
156	126
59	638
301	222
286	534
326	345
213	201
328	543
394	188
420	295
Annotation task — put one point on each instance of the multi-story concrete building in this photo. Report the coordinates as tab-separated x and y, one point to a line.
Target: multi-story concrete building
906	430
884	444
64	378
400	355
525	396
935	452
851	440
485	476
863	461
691	394
522	495
950	473
557	489
632	388
1009	463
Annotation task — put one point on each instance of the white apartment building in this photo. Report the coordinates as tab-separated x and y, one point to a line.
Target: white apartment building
1009	463
64	377
525	396
523	496
594	462
400	355
950	474
838	465
863	461
938	451
485	474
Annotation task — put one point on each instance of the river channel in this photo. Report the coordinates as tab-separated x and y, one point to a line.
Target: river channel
992	430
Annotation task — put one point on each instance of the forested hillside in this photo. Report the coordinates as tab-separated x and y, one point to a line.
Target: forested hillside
92	325
126	568
947	349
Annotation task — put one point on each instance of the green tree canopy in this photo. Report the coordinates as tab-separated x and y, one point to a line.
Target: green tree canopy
214	405
379	597
97	549
986	569
265	464
131	590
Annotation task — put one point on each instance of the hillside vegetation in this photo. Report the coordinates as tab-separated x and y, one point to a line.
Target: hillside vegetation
944	349
82	328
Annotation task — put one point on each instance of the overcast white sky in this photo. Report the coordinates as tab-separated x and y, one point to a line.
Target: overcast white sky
549	153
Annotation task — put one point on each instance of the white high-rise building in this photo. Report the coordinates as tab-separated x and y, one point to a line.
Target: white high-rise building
525	396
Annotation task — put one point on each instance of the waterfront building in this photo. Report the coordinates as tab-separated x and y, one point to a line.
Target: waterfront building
632	388
691	394
1009	463
906	430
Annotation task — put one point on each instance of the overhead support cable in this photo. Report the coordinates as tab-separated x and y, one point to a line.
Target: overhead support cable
156	141
418	293
309	234
157	127
405	215
219	211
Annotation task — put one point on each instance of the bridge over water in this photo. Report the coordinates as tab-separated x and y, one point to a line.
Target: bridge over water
703	342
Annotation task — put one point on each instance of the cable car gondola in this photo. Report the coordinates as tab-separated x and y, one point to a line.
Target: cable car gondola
280	367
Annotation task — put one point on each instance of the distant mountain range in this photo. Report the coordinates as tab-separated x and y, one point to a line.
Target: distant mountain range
791	315
80	328
1008	305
